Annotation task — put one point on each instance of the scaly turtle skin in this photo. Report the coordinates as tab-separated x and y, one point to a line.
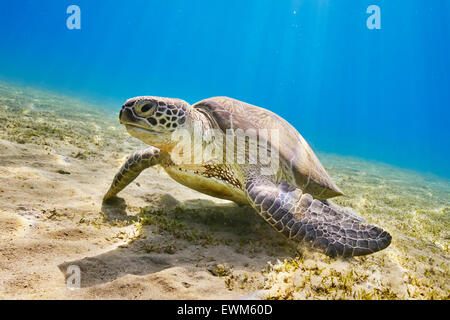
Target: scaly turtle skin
292	197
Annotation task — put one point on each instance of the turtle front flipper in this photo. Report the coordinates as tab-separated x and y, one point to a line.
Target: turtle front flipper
135	164
301	218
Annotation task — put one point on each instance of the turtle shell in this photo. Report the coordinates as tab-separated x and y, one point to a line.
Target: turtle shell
296	155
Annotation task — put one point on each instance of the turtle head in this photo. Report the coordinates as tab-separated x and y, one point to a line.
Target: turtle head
153	119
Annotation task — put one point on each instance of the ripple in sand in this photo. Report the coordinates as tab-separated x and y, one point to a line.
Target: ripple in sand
13	226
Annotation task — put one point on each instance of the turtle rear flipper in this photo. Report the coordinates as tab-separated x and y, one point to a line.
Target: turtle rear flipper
301	218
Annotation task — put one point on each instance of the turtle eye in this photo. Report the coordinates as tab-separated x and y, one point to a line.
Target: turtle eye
148	106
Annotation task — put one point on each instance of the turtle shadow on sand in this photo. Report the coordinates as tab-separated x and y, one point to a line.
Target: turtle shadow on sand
194	235
116	209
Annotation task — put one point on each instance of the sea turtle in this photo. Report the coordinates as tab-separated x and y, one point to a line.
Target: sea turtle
292	198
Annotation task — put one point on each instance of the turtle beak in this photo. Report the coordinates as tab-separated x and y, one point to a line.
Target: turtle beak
125	115
131	121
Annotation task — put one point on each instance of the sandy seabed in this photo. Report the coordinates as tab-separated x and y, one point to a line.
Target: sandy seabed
161	240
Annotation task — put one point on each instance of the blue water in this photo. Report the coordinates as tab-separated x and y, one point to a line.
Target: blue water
378	94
